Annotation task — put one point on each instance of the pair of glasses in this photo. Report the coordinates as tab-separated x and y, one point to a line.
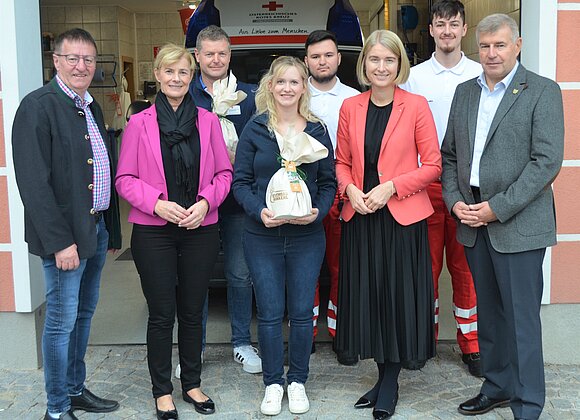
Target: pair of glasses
74	59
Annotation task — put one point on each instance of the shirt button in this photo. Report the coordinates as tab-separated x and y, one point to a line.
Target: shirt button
380	174
92	211
90	187
87	137
89	161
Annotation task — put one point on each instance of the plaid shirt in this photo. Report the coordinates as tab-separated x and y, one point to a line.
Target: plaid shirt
101	186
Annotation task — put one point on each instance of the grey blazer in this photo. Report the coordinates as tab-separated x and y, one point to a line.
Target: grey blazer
522	155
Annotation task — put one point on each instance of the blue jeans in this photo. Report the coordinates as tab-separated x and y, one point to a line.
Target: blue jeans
285	266
71	300
237	275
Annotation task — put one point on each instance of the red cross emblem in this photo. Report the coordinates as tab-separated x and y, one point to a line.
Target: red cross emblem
272	6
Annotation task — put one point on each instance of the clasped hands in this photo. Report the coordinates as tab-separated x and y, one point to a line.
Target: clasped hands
370	202
474	215
190	218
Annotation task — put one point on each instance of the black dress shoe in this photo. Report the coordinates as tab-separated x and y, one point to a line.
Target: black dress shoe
383	413
364	402
413	364
64	416
204	407
473	362
166	415
313	348
88	401
481	405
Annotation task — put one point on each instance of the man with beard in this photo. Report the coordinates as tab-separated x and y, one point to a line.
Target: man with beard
436	80
322	59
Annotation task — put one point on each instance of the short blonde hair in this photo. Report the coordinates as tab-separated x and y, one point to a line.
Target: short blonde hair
170	54
265	99
388	40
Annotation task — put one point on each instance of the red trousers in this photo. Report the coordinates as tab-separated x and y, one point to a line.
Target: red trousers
442	227
332	228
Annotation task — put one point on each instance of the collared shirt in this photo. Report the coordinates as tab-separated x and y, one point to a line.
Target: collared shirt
101	185
488	103
437	84
326	105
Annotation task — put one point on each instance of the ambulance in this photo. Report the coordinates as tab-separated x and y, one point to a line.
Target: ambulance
261	30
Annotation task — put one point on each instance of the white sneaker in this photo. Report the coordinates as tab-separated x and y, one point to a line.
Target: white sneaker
248	357
272	402
297	399
178	368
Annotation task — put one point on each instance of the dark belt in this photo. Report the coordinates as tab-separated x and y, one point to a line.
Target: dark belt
98	216
476	194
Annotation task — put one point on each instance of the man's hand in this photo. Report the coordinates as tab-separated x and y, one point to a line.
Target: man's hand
267	218
474	215
170	211
67	259
197	213
357	199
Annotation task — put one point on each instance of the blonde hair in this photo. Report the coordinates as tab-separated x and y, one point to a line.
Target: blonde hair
388	40
170	54
265	99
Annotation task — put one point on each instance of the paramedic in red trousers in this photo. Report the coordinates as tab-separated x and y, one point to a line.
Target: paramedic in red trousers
213	54
436	80
327	93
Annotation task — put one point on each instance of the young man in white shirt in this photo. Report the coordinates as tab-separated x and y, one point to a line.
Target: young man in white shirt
436	79
327	93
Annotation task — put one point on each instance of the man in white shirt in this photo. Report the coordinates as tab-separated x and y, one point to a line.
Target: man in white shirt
322	59
436	79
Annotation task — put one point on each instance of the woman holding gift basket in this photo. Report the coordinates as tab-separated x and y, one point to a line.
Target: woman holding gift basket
284	179
385	283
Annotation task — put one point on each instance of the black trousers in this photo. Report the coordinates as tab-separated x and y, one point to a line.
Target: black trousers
175	266
509	293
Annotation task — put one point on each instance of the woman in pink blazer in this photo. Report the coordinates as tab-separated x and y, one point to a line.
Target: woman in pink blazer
385	286
174	171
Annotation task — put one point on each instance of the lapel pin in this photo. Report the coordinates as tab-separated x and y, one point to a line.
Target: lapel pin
515	91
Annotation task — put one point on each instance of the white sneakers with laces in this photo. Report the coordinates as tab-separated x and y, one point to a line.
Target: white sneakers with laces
248	357
272	402
297	400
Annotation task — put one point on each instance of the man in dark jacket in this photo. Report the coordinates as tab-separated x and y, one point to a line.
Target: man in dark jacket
64	174
213	54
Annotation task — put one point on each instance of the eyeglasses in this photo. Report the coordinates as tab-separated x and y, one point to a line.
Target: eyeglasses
74	59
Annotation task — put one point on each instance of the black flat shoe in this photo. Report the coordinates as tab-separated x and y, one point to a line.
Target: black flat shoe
383	413
364	402
481	405
204	407
166	415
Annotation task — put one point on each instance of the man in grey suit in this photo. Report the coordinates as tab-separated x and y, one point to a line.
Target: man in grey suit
502	150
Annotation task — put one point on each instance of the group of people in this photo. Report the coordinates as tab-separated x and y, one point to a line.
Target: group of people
447	149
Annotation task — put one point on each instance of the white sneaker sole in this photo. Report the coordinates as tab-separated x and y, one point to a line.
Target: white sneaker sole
270	412
299	411
249	368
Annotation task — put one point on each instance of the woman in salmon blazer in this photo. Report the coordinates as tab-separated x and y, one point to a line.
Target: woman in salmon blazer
385	288
174	171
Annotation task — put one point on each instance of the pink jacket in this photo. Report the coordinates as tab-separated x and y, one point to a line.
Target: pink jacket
410	131
140	176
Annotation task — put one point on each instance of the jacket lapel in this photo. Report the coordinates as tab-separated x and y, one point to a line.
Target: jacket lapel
512	93
360	121
397	111
152	130
473	108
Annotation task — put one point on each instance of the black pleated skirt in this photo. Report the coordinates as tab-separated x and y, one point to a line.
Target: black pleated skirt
385	296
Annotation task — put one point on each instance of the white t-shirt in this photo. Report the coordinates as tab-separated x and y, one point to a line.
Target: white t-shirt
326	105
437	84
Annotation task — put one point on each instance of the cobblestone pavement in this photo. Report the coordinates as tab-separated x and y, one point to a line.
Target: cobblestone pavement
120	372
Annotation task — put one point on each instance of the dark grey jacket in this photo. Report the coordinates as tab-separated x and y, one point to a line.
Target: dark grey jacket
522	155
53	164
